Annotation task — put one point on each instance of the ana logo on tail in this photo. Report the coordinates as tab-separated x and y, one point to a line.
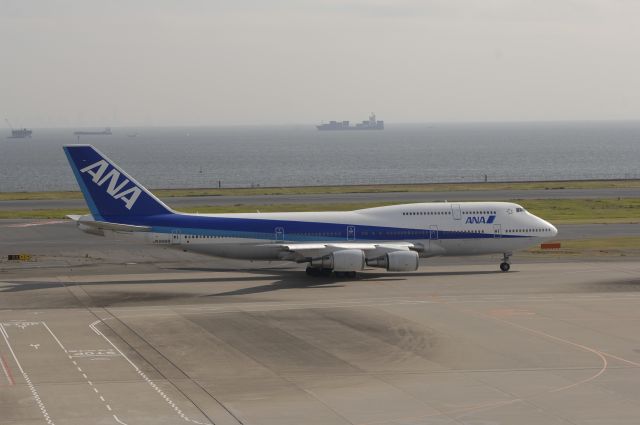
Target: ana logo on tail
115	188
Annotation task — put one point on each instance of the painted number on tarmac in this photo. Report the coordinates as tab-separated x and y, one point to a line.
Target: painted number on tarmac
20	324
108	352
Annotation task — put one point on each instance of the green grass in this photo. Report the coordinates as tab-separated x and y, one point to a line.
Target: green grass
618	246
204	209
573	211
55	213
558	211
314	190
626	242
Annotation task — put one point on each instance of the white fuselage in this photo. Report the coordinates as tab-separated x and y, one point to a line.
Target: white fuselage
469	228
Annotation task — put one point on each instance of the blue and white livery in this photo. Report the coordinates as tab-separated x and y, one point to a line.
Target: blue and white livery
392	237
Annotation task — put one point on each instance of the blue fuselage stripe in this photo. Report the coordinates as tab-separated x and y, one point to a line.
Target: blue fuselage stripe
296	230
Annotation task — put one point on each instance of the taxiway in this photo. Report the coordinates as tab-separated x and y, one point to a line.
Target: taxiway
114	334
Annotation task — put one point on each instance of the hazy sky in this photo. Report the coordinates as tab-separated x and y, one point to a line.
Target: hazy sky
207	62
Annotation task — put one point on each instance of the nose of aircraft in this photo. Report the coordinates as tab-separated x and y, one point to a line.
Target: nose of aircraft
552	230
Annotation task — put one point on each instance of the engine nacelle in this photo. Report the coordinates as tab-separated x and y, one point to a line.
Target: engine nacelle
348	260
397	261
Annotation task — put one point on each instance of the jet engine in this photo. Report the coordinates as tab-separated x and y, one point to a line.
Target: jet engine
397	261
347	260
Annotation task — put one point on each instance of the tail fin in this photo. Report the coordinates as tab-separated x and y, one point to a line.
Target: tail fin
107	189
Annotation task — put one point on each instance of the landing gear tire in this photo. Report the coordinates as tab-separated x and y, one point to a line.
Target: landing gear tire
505	265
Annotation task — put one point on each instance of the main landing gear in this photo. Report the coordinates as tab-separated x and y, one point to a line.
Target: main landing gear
317	271
506	262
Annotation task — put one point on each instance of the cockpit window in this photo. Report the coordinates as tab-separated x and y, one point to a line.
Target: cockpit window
519	209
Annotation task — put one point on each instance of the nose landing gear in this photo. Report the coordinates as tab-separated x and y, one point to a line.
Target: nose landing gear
506	262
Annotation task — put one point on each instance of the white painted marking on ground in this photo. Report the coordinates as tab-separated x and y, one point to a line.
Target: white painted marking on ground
11	349
84	375
99	352
4	333
146	378
118	420
54	337
32	388
92	326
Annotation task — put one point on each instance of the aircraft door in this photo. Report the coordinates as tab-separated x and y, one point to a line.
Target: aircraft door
279	234
455	211
351	233
176	237
497	230
433	234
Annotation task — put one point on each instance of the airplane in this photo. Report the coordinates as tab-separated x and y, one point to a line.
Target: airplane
341	243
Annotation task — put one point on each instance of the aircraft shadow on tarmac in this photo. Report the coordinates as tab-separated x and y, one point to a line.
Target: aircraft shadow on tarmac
17	286
281	279
129	292
294	279
630	285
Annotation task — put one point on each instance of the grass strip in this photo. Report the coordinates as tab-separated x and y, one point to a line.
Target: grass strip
558	211
618	246
315	190
568	211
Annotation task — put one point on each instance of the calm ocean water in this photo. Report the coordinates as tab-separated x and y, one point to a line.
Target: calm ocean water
181	157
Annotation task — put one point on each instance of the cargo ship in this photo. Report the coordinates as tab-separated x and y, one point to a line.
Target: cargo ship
19	133
370	124
105	132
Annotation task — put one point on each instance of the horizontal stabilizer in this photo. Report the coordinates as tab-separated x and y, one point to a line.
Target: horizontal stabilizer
87	220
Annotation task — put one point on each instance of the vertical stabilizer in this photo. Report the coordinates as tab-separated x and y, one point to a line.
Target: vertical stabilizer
110	192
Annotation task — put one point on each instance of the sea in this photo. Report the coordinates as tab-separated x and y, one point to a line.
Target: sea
299	155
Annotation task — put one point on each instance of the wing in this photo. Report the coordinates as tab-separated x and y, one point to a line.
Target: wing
306	251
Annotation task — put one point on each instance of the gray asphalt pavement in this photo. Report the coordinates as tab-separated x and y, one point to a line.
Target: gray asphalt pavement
103	331
166	344
408	197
